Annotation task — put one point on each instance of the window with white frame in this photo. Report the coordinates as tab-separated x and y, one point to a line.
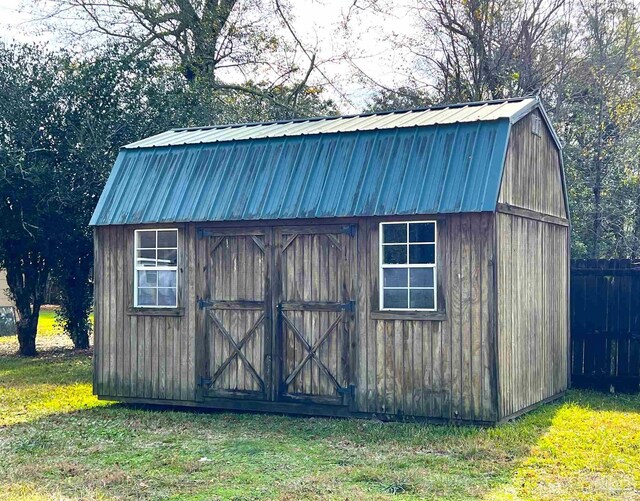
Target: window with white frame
156	268
408	266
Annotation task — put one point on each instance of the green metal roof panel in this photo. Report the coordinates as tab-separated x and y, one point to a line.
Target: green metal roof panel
419	170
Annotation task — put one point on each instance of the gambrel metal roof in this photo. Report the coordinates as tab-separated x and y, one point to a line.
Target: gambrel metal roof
435	160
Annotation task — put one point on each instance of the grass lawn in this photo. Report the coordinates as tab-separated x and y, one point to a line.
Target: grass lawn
50	334
57	441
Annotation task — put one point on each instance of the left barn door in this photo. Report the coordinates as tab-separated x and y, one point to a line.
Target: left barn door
234	300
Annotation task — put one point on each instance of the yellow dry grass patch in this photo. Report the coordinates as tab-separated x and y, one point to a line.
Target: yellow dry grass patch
588	453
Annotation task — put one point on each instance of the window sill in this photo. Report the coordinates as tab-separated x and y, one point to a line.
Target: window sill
436	316
156	312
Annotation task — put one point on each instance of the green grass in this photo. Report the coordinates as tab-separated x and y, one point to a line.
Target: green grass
50	333
47	326
47	323
57	441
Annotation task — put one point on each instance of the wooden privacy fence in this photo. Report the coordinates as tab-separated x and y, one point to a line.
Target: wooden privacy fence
605	324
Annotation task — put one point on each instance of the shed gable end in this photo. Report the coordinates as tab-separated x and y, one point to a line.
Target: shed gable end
532	177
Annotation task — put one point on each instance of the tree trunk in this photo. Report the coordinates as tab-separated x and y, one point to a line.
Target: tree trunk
597	222
27	327
27	279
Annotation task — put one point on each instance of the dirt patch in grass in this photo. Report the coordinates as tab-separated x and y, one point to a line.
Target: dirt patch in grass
58	441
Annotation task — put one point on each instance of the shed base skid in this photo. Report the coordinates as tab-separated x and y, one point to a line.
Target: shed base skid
293	409
532	407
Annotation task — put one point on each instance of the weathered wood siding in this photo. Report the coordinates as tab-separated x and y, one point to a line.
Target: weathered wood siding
532	311
532	271
136	355
532	172
435	368
432	368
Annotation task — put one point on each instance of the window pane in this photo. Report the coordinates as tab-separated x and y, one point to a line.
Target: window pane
167	297
422	254
147	297
394	233
167	278
421	277
147	257
168	238
395	298
422	232
147	278
167	257
146	239
421	298
395	277
395	254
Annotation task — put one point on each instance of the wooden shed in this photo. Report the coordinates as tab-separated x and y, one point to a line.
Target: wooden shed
410	264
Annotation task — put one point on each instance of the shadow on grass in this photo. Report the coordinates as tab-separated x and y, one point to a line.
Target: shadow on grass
59	365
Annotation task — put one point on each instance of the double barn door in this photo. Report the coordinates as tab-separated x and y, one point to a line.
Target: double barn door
277	313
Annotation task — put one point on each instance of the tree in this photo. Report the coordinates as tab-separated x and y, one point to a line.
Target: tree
229	44
599	119
201	34
28	97
105	102
399	99
488	49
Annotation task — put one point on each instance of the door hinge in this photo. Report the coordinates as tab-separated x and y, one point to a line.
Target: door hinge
349	229
349	306
202	304
348	391
205	381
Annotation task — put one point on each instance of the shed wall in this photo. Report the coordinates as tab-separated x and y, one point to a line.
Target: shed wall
403	366
532	170
532	242
143	356
533	303
444	368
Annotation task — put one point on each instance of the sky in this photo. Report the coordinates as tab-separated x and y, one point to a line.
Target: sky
316	22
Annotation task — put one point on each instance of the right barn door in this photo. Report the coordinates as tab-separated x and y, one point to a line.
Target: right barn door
315	313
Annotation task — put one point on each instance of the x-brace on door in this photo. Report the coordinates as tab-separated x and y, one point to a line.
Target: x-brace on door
315	312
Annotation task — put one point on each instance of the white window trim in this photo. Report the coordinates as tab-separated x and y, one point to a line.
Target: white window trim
137	268
382	267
